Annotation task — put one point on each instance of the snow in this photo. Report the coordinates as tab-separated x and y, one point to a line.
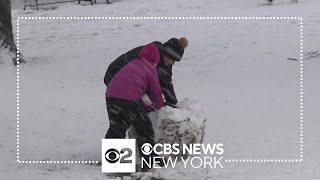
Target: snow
186	109
236	69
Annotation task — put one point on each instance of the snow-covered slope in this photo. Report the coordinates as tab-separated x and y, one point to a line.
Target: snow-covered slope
237	69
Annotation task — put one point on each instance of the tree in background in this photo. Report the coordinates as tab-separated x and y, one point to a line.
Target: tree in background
6	34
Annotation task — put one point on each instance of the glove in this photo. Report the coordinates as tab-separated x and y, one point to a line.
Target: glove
171	105
150	108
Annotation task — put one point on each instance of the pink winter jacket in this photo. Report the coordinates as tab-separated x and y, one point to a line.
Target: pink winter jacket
138	77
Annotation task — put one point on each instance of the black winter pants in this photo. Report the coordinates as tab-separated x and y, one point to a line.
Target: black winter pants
123	113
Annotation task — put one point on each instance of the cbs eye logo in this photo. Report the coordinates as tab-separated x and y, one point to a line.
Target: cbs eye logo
146	148
113	155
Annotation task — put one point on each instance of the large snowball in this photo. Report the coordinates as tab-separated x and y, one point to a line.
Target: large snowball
182	125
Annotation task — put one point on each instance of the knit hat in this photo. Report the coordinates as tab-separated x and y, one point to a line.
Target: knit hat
174	48
150	52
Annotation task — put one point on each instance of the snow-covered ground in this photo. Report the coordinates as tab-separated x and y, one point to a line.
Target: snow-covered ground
237	69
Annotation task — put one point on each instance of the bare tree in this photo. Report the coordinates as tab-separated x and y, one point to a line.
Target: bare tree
6	34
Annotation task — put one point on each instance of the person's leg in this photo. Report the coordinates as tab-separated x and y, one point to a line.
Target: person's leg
118	121
143	127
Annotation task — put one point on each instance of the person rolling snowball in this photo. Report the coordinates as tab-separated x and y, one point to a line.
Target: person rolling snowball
124	93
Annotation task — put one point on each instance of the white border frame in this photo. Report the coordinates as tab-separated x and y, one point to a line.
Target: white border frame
300	159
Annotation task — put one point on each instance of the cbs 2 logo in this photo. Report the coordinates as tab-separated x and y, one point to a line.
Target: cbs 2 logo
112	155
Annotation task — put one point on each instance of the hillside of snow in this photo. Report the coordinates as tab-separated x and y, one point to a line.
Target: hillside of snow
237	69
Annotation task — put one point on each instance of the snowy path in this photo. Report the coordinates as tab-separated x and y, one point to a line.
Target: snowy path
236	68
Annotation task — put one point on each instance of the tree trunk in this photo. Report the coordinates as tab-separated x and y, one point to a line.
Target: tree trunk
6	34
5	24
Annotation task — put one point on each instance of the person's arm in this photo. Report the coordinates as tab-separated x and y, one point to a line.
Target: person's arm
165	77
119	63
155	90
113	68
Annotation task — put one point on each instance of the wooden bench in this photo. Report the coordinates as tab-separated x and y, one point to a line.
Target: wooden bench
95	1
86	0
270	2
37	4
